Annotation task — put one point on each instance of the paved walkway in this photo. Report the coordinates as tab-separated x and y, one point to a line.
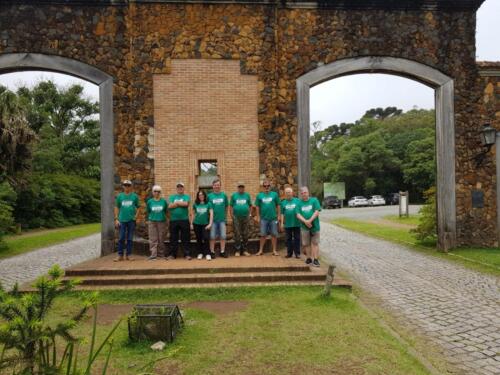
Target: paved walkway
29	266
458	309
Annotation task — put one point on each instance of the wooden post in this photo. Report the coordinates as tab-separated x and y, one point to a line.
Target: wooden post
328	282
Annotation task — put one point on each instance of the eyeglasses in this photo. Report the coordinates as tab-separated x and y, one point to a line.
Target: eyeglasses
266	186
156	191
127	185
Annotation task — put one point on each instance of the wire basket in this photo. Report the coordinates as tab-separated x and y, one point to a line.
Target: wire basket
156	322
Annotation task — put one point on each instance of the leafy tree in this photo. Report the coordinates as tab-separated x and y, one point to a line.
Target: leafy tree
68	128
16	137
383	113
384	151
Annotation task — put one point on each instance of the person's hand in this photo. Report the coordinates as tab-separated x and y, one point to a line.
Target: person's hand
208	227
308	224
256	219
117	223
281	228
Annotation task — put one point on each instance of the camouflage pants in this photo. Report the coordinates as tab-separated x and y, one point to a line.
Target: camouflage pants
241	228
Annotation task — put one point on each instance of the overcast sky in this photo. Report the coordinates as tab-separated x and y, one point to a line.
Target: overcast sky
343	99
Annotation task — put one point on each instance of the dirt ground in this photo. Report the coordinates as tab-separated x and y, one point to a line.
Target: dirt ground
109	313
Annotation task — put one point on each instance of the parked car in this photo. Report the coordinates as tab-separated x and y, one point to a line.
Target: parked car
376	200
332	201
392	198
357	201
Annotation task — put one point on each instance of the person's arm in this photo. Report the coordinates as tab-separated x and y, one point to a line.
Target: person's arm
191	216
257	213
210	218
138	208
171	203
117	211
302	219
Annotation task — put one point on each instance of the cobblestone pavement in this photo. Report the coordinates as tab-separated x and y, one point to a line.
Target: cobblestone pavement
459	309
28	266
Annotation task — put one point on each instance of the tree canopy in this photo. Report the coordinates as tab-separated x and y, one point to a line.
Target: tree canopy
385	151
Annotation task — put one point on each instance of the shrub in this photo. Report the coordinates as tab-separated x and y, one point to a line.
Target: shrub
427	226
57	200
7	200
29	343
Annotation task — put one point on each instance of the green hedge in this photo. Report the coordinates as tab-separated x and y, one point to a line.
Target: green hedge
58	200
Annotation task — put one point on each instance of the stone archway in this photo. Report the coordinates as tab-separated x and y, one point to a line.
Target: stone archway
445	126
28	61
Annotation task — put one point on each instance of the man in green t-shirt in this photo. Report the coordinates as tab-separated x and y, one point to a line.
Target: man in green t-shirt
240	206
178	208
308	214
218	206
267	204
126	207
290	223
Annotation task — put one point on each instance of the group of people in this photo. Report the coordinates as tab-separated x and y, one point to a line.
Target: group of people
207	217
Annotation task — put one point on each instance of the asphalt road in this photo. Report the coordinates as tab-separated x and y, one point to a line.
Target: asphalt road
364	213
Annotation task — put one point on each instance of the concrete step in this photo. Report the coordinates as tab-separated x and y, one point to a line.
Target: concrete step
203	278
169	271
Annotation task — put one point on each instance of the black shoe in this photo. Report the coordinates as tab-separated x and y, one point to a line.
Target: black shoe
308	261
297	256
288	256
212	255
315	263
223	254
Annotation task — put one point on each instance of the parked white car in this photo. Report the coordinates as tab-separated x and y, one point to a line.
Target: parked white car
357	202
376	200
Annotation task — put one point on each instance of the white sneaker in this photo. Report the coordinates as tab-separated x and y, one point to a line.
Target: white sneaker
200	256
208	257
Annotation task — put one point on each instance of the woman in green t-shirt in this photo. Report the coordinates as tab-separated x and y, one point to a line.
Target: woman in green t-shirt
201	222
156	208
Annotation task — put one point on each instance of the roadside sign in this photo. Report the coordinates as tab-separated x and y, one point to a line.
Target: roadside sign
334	188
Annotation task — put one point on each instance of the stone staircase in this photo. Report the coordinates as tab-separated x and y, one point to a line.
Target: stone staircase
103	273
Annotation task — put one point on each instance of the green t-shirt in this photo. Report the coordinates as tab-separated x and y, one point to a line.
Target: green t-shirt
127	205
156	209
201	215
307	209
179	213
241	203
218	202
267	203
289	211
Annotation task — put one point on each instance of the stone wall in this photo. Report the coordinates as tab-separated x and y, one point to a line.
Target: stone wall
486	110
134	42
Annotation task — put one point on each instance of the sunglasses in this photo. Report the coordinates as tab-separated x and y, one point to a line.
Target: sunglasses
127	185
267	185
156	191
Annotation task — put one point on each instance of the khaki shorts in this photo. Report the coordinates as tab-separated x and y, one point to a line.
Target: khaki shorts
307	238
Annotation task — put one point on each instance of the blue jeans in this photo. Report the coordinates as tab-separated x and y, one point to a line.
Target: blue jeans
218	229
126	230
268	227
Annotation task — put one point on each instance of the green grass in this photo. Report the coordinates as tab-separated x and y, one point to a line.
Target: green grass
282	330
411	220
485	260
18	244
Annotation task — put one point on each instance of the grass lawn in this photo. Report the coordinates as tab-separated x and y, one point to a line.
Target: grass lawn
18	244
279	330
480	259
410	220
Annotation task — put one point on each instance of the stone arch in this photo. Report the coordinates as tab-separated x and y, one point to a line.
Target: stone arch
445	125
12	62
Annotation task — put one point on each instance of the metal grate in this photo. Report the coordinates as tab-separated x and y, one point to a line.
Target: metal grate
155	322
